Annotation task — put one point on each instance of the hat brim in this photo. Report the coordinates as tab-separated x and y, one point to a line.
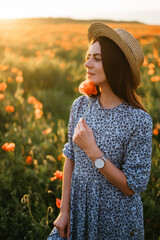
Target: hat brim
96	30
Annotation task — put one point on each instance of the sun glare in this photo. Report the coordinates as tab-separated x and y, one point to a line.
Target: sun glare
11	13
145	11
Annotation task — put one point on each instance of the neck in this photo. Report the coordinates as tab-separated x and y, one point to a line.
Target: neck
108	99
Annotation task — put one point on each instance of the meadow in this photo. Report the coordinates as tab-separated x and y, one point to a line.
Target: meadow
41	67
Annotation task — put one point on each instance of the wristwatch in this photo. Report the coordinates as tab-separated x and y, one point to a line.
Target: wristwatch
100	162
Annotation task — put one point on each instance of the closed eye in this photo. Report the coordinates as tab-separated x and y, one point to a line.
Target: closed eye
97	59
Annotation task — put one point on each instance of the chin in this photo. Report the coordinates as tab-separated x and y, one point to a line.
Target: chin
96	81
90	77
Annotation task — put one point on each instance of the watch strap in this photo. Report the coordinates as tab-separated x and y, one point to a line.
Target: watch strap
104	158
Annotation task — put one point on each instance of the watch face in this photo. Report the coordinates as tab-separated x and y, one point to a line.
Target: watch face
99	163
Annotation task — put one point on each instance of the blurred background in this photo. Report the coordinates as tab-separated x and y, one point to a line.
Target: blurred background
42	51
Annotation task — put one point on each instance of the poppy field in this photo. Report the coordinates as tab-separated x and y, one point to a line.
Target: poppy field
41	67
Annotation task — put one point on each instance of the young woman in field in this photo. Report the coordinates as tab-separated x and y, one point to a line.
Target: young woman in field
108	154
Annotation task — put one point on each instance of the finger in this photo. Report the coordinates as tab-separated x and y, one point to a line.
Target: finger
74	137
75	131
78	127
80	120
81	125
62	233
84	123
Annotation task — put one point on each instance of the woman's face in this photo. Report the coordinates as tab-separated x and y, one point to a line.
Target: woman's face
94	66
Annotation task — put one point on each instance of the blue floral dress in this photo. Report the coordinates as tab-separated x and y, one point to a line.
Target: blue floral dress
99	211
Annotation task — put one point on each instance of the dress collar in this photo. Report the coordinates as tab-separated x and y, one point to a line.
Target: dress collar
97	101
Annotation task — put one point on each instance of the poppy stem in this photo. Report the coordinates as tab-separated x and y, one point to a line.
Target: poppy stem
87	107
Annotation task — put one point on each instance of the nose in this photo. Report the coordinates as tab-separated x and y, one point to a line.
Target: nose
88	63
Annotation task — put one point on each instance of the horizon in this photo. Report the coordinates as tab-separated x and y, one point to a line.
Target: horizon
73	19
144	11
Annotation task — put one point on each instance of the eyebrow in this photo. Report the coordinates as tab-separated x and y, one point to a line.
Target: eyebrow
94	54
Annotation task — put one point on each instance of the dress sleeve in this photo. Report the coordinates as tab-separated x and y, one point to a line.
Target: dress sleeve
137	158
68	147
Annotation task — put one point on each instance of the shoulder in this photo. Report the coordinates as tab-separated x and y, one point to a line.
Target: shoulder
136	119
140	117
80	101
79	105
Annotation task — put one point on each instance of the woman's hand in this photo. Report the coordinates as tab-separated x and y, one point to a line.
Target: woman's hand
62	223
83	136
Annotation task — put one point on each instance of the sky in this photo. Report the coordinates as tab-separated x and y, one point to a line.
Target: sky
146	11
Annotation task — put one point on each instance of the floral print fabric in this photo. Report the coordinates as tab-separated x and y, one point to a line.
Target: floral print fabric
99	211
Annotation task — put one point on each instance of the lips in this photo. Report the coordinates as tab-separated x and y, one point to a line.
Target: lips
89	73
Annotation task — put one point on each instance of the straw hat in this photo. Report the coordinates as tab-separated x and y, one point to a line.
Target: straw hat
127	43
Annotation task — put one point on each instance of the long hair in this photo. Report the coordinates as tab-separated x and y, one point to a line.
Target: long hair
118	72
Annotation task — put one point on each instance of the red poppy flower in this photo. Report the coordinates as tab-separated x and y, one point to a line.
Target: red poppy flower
87	87
58	175
58	202
29	160
8	147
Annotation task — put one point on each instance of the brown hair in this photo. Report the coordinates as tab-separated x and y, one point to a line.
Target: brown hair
118	73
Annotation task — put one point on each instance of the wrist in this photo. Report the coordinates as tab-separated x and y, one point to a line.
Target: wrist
94	153
64	209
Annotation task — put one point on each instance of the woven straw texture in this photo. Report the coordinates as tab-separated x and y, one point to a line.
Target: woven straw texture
127	43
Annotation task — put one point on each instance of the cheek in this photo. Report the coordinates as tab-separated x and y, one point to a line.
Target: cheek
104	76
100	68
102	73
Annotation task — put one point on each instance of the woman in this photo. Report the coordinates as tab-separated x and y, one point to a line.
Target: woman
108	154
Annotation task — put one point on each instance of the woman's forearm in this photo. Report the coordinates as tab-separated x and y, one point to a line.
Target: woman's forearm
113	174
66	185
